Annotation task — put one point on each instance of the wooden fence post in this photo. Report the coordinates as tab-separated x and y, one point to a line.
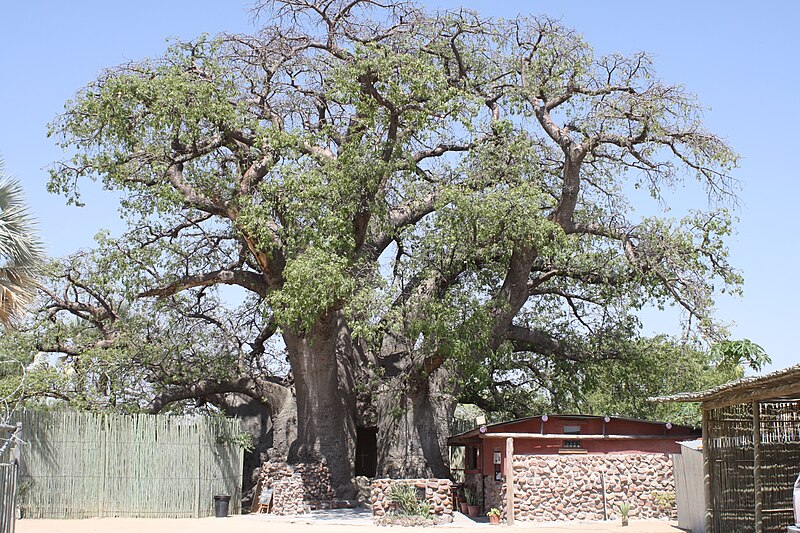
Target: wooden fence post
758	493
103	441
199	469
709	495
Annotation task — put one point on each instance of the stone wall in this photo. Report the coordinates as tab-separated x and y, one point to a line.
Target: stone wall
570	487
437	494
296	488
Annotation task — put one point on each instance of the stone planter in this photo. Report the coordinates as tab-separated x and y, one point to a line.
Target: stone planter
437	495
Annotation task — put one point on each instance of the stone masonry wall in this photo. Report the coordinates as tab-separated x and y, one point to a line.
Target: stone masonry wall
570	487
296	487
437	494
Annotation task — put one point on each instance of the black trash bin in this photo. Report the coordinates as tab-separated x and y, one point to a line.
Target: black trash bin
221	503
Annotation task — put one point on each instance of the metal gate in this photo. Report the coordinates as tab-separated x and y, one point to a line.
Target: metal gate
8	496
9	472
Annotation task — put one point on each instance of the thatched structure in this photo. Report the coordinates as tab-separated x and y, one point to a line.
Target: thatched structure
751	451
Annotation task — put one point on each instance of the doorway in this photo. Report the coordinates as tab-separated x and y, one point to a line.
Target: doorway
366	451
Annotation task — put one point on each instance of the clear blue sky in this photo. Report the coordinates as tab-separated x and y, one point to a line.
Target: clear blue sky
740	58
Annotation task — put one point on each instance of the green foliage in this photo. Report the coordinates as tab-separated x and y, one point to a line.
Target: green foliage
740	354
114	355
618	381
21	251
665	499
649	368
471	496
245	441
404	498
624	509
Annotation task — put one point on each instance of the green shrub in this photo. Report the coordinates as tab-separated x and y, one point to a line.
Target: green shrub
404	498
471	496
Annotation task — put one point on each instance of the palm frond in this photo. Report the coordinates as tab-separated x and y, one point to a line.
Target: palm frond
20	249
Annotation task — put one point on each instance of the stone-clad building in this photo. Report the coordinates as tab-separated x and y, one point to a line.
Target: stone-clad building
574	467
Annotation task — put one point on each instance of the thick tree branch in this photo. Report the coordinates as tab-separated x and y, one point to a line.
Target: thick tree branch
243	278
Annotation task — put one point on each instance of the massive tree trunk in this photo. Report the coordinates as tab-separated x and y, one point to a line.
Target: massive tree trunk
325	415
413	426
271	427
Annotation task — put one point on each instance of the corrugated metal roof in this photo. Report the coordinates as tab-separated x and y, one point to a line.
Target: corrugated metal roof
696	444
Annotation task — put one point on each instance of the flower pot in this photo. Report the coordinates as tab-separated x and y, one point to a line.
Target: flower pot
473	510
221	503
463	506
494	518
624	520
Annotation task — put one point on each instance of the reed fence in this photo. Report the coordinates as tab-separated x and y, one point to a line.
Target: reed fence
752	468
81	465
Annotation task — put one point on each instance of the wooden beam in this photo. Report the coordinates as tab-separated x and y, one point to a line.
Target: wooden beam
707	489
563	436
510	481
759	497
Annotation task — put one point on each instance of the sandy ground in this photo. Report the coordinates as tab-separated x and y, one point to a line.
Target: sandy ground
264	524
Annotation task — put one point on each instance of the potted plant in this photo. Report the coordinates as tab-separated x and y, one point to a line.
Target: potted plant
462	499
624	510
494	515
473	503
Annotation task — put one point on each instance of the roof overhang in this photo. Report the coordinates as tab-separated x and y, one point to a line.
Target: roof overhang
779	385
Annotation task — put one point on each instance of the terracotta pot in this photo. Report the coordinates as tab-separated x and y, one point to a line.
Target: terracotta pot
494	518
473	510
624	520
463	507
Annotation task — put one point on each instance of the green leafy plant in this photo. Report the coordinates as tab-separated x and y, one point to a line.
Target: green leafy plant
494	511
624	510
404	498
471	496
664	499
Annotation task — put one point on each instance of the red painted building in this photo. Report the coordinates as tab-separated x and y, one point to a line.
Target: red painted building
485	447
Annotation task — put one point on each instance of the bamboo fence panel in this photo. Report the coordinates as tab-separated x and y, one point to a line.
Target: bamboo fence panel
731	456
780	435
81	465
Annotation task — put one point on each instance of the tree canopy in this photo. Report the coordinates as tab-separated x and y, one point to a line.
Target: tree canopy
402	195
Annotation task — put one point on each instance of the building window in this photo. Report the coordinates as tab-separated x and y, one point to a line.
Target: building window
470	458
571	444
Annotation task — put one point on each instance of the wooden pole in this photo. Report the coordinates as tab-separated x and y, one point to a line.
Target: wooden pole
707	473
759	497
102	504
198	488
605	498
510	481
